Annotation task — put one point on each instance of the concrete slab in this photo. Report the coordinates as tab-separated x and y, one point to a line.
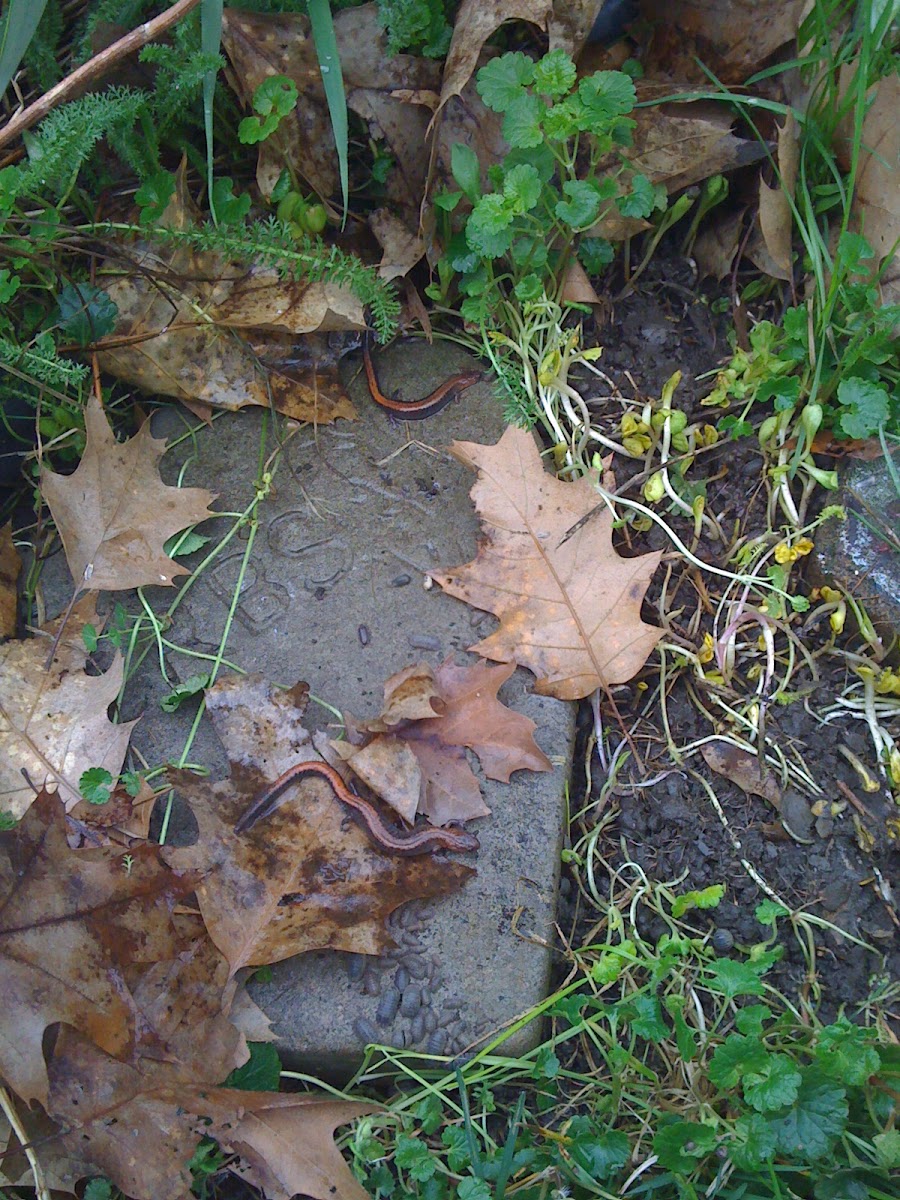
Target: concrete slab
851	552
357	517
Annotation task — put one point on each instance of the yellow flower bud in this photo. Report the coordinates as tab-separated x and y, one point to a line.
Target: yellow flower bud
654	489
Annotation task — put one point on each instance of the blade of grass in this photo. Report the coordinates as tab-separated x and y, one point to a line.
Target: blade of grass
472	1145
333	82
210	37
22	19
509	1150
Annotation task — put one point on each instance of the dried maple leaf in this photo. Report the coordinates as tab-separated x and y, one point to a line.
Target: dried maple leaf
71	923
569	606
139	1125
53	724
114	512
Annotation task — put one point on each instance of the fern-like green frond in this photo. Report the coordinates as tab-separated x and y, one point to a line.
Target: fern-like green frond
40	361
67	137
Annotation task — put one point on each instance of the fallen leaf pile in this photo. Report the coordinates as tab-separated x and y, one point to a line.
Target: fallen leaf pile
117	1025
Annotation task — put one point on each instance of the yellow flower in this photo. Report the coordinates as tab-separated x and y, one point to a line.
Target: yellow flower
786	553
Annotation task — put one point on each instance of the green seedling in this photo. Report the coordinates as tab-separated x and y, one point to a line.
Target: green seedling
274	99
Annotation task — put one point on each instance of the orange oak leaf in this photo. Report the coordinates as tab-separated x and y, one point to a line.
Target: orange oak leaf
72	922
114	513
53	724
569	605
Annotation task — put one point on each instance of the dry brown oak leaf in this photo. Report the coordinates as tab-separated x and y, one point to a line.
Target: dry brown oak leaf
427	719
569	605
302	879
139	1126
53	724
114	513
72	923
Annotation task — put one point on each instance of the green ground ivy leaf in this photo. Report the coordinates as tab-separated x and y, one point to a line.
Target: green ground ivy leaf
95	785
529	288
607	94
682	1144
466	170
865	407
817	1117
539	157
595	253
522	123
503	80
887	1148
529	252
183	691
582	206
554	74
753	1143
522	188
153	196
260	1073
641	200
86	312
845	1053
752	1018
415	1157
488	227
599	1155
736	1056
644	1017
774	1085
471	1188
731	978
454	1139
706	898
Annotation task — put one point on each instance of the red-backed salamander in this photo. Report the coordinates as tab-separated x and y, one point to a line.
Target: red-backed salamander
419	841
416	410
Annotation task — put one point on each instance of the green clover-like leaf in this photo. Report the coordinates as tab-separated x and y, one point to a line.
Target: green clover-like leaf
503	80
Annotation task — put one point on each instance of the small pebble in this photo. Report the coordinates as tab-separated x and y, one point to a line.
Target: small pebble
363	634
424	641
387	1006
722	941
411	1002
418	1029
401	580
356	966
437	1042
401	977
365	1030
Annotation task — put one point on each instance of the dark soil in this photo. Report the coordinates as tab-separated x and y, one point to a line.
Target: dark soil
838	868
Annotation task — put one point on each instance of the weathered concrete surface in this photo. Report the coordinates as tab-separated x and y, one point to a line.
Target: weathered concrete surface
852	553
357	518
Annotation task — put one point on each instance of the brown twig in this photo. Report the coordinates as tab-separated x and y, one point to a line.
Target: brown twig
93	69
